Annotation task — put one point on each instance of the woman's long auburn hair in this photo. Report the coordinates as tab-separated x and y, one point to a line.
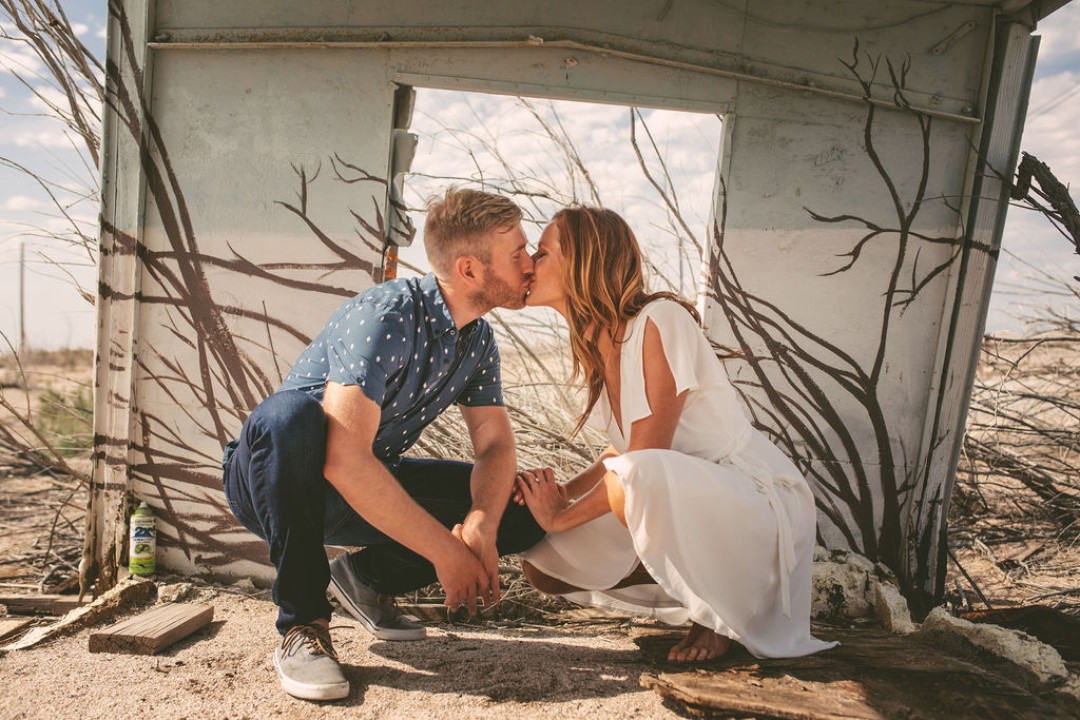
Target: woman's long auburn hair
604	287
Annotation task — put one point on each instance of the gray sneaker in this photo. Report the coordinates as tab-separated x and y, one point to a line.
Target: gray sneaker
308	666
377	613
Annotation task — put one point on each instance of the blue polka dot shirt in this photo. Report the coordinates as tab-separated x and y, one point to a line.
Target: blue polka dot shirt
398	343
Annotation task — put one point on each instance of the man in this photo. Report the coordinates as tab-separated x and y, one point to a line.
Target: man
319	461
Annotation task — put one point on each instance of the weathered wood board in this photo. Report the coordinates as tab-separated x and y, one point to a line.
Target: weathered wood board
10	626
41	604
152	631
870	675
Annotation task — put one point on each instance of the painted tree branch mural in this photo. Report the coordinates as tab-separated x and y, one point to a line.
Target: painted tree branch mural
818	394
220	374
823	401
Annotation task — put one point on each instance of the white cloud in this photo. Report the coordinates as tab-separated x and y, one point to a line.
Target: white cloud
22	202
1039	249
17	55
46	94
1060	33
43	138
17	59
101	32
80	29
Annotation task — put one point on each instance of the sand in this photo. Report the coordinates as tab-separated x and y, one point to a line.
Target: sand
225	671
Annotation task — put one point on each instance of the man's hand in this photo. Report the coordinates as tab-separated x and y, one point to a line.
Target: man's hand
491	481
462	576
483	545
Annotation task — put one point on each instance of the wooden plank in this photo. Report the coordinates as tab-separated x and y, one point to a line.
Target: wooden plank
150	632
871	675
10	626
102	609
40	604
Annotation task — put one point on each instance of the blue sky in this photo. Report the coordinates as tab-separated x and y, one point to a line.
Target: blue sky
56	316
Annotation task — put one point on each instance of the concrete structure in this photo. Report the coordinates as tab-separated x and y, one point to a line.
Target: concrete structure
254	153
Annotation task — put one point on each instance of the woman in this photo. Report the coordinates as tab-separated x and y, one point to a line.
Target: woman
690	514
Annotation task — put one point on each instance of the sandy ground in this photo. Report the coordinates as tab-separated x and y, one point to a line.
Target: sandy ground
518	671
224	671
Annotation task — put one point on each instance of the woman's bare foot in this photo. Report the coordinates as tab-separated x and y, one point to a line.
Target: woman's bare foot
700	643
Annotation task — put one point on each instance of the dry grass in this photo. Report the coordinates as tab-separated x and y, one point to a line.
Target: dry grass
1013	523
1016	505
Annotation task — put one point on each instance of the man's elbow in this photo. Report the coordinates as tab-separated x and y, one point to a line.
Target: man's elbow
502	449
340	468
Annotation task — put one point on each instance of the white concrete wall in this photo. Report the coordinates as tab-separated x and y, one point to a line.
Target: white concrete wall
242	94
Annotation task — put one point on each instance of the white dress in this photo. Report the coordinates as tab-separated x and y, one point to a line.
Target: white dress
723	520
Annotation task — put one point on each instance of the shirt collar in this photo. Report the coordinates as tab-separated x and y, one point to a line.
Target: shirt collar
435	304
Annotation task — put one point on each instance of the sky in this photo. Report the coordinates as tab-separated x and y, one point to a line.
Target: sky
56	316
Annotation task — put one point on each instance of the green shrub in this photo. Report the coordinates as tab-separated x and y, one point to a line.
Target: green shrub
66	419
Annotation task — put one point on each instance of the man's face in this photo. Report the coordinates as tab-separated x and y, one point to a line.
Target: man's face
508	276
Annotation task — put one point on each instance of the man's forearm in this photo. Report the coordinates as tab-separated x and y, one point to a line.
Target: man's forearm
382	502
492	481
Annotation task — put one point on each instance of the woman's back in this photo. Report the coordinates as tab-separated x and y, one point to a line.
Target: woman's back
713	424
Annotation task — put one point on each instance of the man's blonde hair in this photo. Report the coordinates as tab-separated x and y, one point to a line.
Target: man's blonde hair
457	224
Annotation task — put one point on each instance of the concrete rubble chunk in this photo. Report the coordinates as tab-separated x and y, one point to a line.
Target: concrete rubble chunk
245	585
891	609
842	586
847	585
1037	664
174	592
1070	691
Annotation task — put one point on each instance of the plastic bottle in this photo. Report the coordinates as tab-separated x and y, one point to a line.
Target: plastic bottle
142	554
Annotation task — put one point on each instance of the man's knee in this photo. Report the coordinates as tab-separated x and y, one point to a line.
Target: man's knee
283	445
519	530
290	420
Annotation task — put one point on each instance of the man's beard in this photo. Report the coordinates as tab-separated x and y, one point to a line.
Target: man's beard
497	293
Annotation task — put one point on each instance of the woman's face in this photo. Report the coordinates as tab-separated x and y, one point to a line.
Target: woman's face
547	286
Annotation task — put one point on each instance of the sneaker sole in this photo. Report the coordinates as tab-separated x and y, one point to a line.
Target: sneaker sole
379	632
305	691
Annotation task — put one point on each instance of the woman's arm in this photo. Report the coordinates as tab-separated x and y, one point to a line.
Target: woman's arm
588	478
657	429
553	511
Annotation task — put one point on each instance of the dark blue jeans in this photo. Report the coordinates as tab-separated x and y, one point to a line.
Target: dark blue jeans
275	486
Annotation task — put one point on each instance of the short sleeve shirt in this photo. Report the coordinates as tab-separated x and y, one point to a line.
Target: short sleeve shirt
399	344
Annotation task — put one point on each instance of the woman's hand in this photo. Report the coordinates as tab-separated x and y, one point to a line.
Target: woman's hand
545	497
518	498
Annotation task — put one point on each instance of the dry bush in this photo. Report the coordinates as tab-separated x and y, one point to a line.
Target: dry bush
1015	516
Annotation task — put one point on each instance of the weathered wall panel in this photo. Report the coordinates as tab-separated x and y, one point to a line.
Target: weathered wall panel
838	223
795	160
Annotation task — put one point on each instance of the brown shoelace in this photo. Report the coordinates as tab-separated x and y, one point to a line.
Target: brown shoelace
314	636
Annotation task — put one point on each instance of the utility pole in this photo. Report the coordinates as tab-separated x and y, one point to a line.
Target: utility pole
22	295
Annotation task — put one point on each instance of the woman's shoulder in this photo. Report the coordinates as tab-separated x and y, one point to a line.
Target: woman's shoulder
668	311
